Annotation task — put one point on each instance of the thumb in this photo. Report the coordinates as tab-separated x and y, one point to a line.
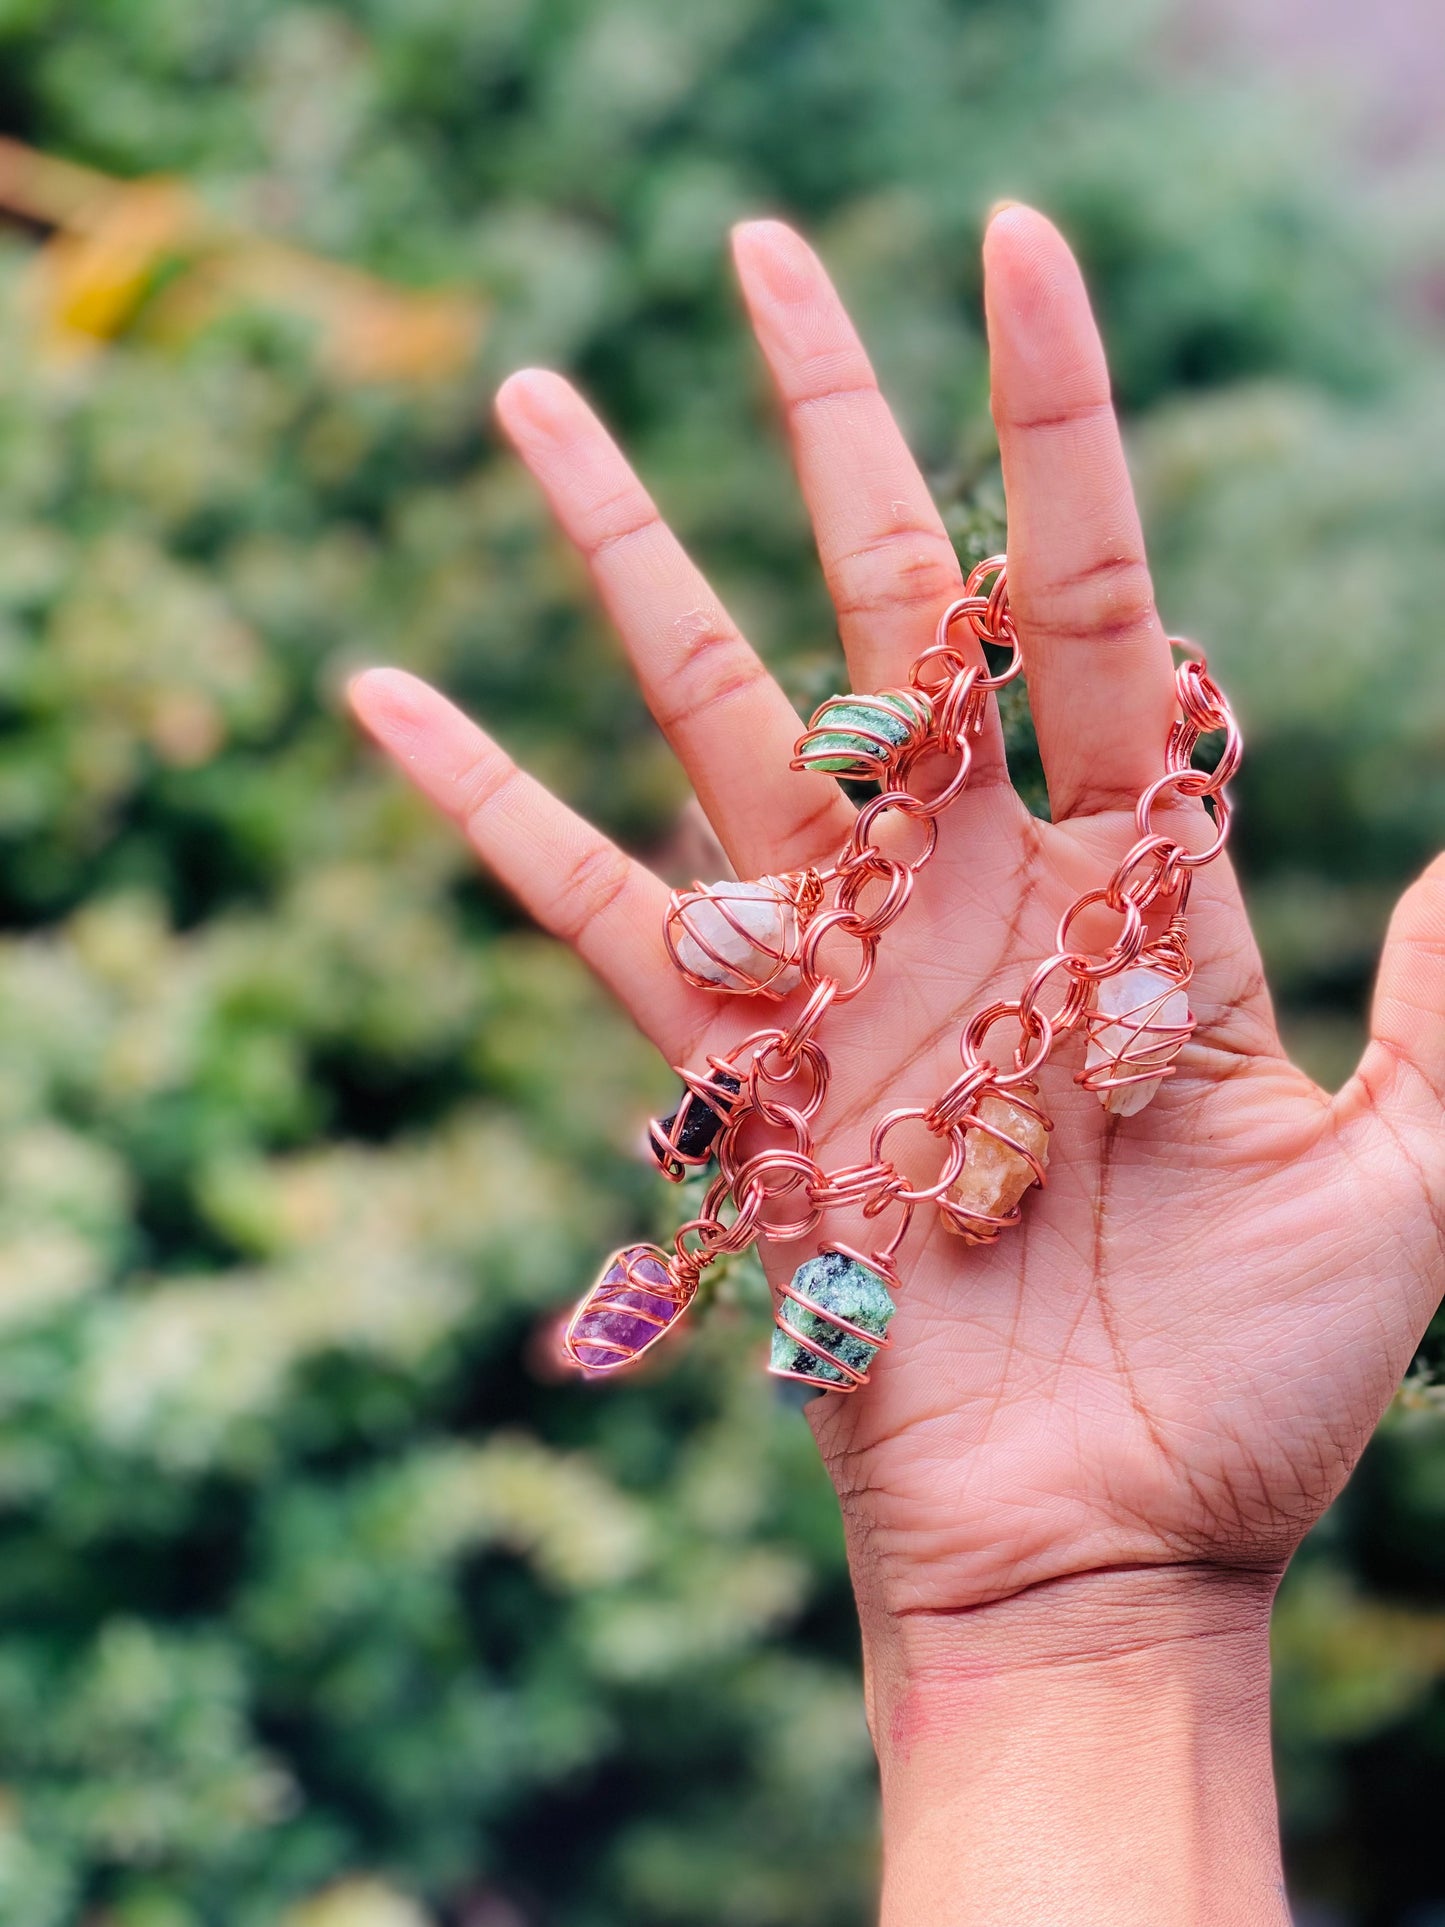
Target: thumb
1403	1069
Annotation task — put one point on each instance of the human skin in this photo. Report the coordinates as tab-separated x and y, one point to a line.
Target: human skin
1073	1483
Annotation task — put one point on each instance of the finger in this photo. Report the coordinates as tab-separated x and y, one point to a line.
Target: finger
1098	665
573	881
1402	1074
732	727
889	565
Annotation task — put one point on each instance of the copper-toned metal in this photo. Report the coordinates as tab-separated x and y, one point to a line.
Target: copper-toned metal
978	1227
742	937
1138	1043
1035	1044
900	1189
865	738
838	1327
757	1108
637	1298
848	925
687	1139
779	1173
800	1036
860	847
1073	1005
785	1059
1186	783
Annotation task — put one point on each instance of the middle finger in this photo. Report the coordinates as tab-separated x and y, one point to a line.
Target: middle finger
889	564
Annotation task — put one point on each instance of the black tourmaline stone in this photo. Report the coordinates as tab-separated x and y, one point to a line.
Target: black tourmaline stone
686	1138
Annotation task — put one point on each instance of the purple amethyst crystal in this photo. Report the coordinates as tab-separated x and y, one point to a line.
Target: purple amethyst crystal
629	1308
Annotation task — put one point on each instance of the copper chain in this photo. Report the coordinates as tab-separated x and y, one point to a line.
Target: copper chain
778	1190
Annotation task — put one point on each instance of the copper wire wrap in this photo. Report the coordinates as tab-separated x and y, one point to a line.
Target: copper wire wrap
765	1094
712	933
637	1298
981	1227
839	1328
1138	1045
866	738
685	1141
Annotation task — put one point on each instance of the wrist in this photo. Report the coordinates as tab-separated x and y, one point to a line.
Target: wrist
928	1656
1091	1752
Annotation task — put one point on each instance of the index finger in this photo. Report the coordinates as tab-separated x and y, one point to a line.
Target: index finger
1101	684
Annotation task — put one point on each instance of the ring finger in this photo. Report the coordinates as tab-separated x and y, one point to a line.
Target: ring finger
730	724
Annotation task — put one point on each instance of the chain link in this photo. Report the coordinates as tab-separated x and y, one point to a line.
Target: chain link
769	1182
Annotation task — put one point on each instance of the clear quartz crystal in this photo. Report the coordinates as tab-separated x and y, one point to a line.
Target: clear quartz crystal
995	1176
1152	1014
746	935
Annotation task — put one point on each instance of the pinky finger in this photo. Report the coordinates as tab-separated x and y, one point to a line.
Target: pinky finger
576	883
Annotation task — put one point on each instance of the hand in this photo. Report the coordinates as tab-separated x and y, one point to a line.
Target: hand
1176	1359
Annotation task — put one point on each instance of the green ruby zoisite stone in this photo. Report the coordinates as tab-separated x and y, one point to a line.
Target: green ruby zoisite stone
835	742
812	1345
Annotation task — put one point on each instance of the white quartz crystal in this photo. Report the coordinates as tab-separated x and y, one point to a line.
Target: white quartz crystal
737	938
1152	1015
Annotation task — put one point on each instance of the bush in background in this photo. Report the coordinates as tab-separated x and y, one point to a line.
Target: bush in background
319	1602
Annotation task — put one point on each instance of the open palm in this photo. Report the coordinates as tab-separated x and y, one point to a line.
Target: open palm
1180	1353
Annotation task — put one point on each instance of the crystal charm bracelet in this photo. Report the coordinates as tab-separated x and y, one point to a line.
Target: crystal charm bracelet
753	1109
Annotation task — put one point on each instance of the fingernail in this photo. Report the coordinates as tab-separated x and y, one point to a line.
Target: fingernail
774	258
1000	207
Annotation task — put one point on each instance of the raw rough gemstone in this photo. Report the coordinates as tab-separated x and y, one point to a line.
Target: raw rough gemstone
995	1176
738	947
701	1126
613	1327
843	1286
1144	1001
840	746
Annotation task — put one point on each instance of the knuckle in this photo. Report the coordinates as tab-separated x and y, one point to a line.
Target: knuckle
716	667
478	786
1109	601
616	520
903	568
820	382
1046	421
591	886
708	645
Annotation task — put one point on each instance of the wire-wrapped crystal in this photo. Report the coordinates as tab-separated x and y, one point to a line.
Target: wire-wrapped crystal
685	1140
1006	1148
862	736
635	1301
831	1321
759	1109
1137	1025
742	937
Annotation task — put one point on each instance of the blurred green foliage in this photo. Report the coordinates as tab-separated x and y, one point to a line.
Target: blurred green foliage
319	1602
